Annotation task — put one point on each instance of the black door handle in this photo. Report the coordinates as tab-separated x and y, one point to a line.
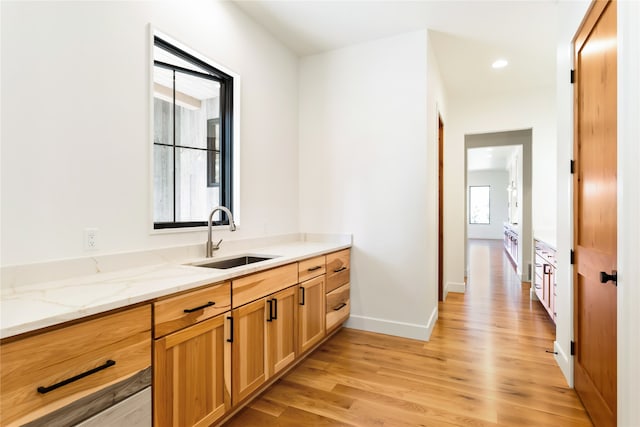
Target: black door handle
302	292
44	390
230	319
202	307
270	302
613	277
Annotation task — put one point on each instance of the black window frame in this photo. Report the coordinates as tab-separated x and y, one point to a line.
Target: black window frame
225	138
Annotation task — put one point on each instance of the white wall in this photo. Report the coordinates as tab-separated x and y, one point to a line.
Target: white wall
75	123
570	14
502	112
628	213
366	168
498	180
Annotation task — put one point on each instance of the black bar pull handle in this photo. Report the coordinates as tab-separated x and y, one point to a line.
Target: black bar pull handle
191	310
546	269
339	306
317	267
275	309
270	318
605	277
337	270
302	291
230	319
43	390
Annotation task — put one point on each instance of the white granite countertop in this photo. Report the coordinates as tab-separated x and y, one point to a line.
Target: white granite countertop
33	306
546	236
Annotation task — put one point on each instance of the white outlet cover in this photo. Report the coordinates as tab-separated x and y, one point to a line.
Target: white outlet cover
90	239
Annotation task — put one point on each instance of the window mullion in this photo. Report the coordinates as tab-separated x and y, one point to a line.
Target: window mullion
174	146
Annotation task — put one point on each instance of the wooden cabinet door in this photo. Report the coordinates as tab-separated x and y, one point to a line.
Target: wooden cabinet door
282	329
311	300
249	355
192	373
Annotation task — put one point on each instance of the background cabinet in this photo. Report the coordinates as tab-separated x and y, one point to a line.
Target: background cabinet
511	244
545	277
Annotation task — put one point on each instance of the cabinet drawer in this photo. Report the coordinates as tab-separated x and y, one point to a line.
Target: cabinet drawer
184	310
338	306
310	268
45	372
254	286
338	269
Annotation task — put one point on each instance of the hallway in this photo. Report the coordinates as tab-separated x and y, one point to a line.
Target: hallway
484	366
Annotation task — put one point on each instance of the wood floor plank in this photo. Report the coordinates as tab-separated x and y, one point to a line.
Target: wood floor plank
485	365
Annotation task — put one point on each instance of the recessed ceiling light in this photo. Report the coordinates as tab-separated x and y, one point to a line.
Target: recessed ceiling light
500	63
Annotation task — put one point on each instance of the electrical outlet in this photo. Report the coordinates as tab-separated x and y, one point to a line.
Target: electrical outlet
90	239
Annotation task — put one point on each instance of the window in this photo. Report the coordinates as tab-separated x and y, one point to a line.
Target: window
479	201
192	139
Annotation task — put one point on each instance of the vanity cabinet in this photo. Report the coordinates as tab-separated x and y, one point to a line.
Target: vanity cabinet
545	277
192	363
212	348
66	375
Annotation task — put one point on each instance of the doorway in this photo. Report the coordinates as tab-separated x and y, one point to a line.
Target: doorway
512	147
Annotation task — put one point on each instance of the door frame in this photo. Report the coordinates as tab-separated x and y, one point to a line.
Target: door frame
440	208
524	138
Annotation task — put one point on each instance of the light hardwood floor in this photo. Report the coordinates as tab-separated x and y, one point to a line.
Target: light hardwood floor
485	365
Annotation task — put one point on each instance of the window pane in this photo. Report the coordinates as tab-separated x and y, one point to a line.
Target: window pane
197	100
213	155
162	183
162	122
479	205
194	199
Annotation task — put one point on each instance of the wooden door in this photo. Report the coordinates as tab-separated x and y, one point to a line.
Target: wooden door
595	210
311	300
249	355
192	374
282	329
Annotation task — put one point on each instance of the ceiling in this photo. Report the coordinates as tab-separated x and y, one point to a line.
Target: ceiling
467	36
486	158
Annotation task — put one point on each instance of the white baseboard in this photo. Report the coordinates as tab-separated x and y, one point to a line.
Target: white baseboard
565	362
392	327
455	287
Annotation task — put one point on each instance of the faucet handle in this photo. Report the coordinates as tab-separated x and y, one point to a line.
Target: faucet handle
217	245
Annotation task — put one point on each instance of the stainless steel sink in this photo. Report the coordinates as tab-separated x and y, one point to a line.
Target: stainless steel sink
236	261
